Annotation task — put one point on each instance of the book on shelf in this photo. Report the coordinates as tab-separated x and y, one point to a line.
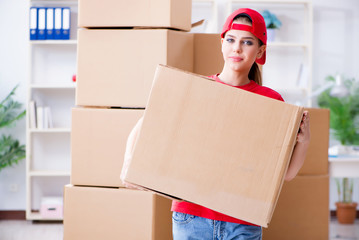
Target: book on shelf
48	118
32	114
40	116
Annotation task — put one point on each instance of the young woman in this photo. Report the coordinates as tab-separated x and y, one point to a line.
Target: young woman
244	38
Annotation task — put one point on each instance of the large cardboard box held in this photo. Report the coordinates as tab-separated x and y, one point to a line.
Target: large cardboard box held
136	13
98	143
208	58
116	67
94	213
316	162
215	145
302	210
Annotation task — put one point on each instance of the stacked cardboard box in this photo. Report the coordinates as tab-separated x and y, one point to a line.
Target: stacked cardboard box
207	54
119	46
302	210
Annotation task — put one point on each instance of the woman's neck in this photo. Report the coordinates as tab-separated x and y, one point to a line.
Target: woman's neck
234	78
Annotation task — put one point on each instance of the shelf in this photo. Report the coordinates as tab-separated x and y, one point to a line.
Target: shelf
53	86
53	2
49	173
52	65
272	1
344	159
205	1
54	42
290	89
37	217
51	130
287	44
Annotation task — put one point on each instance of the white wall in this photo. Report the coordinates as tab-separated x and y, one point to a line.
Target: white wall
335	51
336	38
13	70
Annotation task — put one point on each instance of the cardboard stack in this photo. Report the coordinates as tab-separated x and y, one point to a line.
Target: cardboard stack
120	43
302	210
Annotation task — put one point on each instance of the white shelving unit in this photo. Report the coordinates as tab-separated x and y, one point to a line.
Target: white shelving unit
48	159
209	10
289	58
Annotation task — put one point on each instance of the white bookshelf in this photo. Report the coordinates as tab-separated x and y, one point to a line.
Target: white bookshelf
48	159
49	173
53	86
51	130
36	216
208	10
55	42
291	51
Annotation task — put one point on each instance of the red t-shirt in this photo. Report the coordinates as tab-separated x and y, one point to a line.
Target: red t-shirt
197	210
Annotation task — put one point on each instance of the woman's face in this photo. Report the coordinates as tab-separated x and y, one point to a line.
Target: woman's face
240	49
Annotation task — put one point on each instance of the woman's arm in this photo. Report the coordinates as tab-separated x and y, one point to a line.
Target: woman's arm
300	149
129	150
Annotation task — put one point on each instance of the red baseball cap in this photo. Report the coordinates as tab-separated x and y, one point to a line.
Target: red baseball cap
258	27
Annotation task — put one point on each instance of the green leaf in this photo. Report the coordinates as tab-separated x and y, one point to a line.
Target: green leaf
8	96
11	152
344	112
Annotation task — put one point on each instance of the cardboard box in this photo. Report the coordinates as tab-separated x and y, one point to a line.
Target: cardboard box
208	58
316	162
110	213
302	210
140	13
221	147
98	143
116	67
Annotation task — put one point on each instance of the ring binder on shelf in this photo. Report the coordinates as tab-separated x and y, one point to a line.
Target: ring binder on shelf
33	23
50	23
41	35
66	23
58	23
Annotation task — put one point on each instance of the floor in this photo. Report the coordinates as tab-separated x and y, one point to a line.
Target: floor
27	230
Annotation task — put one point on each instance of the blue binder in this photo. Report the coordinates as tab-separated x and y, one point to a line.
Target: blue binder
33	23
58	23
50	33
66	16
41	25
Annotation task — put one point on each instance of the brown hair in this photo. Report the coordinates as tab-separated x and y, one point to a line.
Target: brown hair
254	73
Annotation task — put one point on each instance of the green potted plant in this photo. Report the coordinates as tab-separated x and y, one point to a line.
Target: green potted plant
344	111
11	152
344	123
346	208
272	23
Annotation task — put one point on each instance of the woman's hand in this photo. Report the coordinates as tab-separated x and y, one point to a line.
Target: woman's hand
128	153
300	148
304	130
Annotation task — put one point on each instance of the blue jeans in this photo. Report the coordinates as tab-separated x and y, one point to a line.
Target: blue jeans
189	227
